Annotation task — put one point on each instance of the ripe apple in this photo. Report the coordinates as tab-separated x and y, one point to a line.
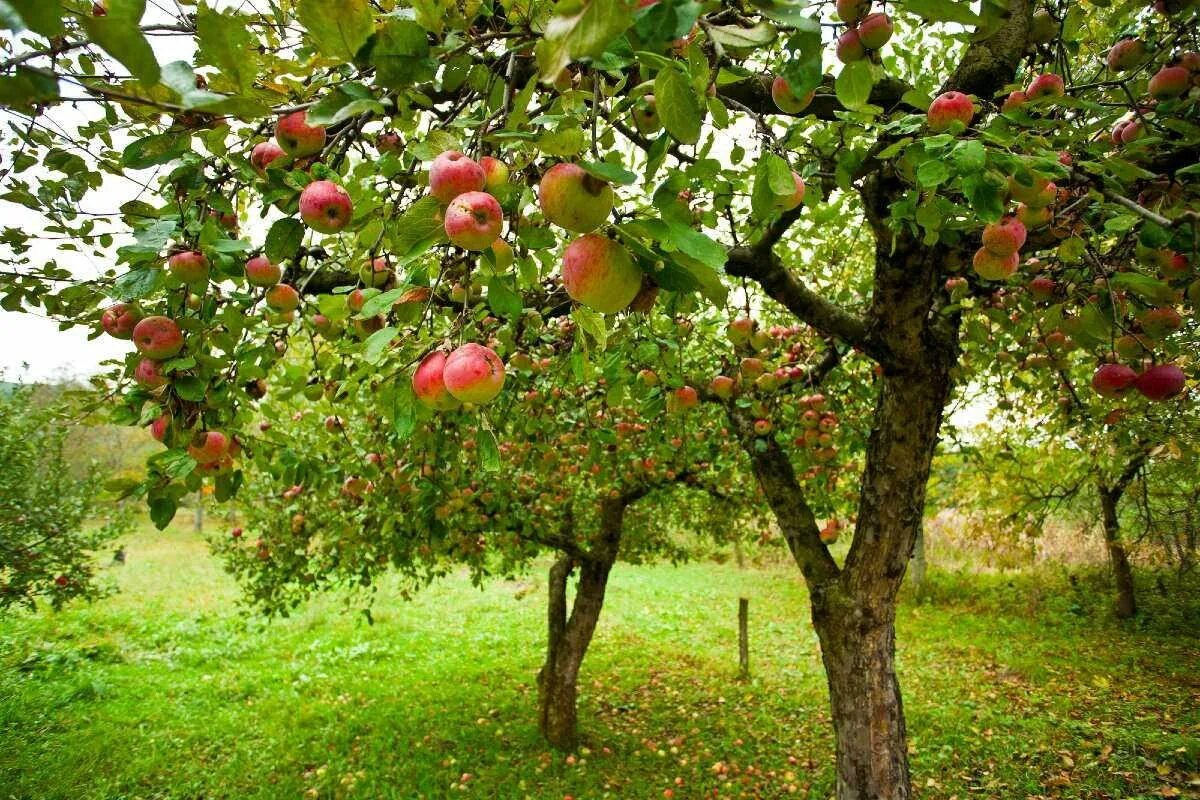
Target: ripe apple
1169	83
473	374
158	337
148	374
452	174
1046	85
722	386
158	428
683	398
429	385
1034	217
850	47
740	330
600	273
1005	237
785	100
473	220
1015	100
375	273
1113	380
787	202
297	137
190	266
875	30
1126	54
1042	288
1160	322
851	11
992	267
325	207
1160	382
951	111
573	199
261	272
119	319
495	173
207	447
282	297
265	154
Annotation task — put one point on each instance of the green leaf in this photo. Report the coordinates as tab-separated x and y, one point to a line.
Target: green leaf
986	192
489	451
162	511
151	151
942	10
613	173
119	35
697	245
136	284
418	229
337	27
377	342
580	29
803	70
592	323
39	16
284	239
789	12
401	55
678	105
404	409
854	83
224	41
932	173
1144	286
739	38
380	303
27	88
502	299
190	388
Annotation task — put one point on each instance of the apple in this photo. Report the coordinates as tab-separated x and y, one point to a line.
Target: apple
850	47
375	273
950	111
992	267
1034	217
207	447
1126	54
722	386
282	297
158	337
264	155
785	100
1043	28
325	207
1113	380
740	330
786	202
875	30
297	137
683	398
600	273
648	377
1046	85
762	427
1160	322
389	143
851	11
119	319
148	374
1005	237
429	385
190	266
1160	382
1169	83
573	199
473	374
1042	288
355	301
1039	194
452	174
502	253
261	272
158	428
473	220
645	116
495	173
1015	100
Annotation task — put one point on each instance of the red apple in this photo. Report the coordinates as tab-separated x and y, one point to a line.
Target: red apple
429	385
282	297
375	273
600	273
1161	382
1113	380
208	447
1005	237
495	173
264	155
875	30
158	337
473	220
992	267
297	137
325	207
1046	85
1015	100
1169	83
785	100
1126	54
190	266
119	319
850	47
473	374
452	174
787	202
951	111
261	272
158	428
148	374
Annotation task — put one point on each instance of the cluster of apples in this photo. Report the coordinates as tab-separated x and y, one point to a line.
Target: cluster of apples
865	32
324	206
1158	382
1171	82
472	374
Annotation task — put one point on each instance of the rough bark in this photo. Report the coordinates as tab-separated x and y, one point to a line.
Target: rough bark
1126	606
917	568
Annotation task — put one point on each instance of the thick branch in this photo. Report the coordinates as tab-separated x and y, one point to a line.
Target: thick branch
755	94
991	62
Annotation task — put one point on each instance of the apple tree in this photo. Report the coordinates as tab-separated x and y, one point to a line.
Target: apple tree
424	182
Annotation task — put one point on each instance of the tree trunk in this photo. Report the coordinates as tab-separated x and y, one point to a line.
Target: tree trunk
1122	573
743	638
917	568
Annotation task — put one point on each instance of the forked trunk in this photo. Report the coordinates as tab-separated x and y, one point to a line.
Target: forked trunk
1126	606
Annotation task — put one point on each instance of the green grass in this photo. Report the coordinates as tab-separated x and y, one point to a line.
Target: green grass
1014	687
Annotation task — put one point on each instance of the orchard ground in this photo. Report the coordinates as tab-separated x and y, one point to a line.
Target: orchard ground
1016	686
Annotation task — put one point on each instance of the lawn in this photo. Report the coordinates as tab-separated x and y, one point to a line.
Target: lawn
1015	686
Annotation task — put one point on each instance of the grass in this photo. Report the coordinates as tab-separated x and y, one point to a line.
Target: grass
1014	687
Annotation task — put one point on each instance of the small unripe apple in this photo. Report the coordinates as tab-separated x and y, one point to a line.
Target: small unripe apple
599	273
158	337
851	11
502	252
1034	217
574	199
261	272
297	137
1038	194
648	377
375	273
452	173
190	266
787	202
473	220
740	330
325	207
473	374
645	116
950	111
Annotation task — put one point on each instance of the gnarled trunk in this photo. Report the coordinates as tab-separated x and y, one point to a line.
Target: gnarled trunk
1126	606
